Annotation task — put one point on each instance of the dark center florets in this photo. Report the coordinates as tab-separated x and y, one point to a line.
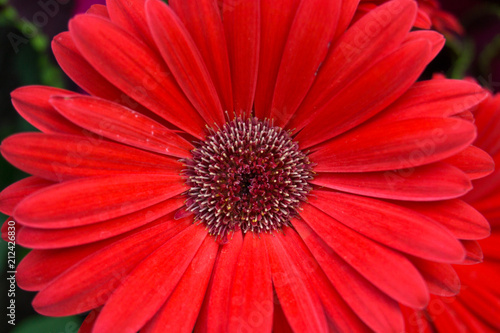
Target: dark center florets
249	175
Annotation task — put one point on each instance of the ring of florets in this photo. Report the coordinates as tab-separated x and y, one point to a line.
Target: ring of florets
247	175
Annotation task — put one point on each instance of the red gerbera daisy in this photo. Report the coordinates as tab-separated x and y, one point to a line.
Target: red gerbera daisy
229	154
477	306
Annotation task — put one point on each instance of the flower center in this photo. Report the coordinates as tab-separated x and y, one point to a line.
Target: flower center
249	175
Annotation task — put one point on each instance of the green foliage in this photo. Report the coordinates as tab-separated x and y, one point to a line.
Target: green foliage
48	325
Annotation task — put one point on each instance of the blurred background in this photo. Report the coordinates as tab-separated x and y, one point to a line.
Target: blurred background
27	27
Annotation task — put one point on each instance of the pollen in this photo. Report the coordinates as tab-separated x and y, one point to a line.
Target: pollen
248	176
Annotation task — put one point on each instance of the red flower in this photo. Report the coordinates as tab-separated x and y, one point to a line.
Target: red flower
429	15
477	306
342	204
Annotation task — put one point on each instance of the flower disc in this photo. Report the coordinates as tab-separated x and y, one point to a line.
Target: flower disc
249	175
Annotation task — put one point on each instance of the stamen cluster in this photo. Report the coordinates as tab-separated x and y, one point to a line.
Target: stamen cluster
249	175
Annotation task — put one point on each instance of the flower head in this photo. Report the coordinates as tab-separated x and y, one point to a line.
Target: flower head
225	155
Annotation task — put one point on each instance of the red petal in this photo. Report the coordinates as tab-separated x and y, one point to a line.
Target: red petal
347	110
148	286
242	27
341	317
483	303
435	98
32	103
180	312
377	34
466	115
131	17
184	60
277	17
15	193
310	35
39	267
66	237
300	303
85	76
441	279
121	124
79	70
398	145
64	157
436	39
251	298
473	161
280	323
135	69
488	202
392	225
210	40
87	285
442	316
88	323
461	219
90	200
376	263
473	253
214	315
99	10
484	276
416	321
10	230
456	317
423	20
375	308
490	246
488	124
348	8
426	183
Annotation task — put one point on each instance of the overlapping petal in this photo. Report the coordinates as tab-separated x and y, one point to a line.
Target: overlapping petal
299	301
150	291
123	194
360	46
180	311
241	20
277	17
251	298
121	124
307	45
212	46
65	157
147	81
33	104
87	285
440	181
398	145
376	263
38	238
184	60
